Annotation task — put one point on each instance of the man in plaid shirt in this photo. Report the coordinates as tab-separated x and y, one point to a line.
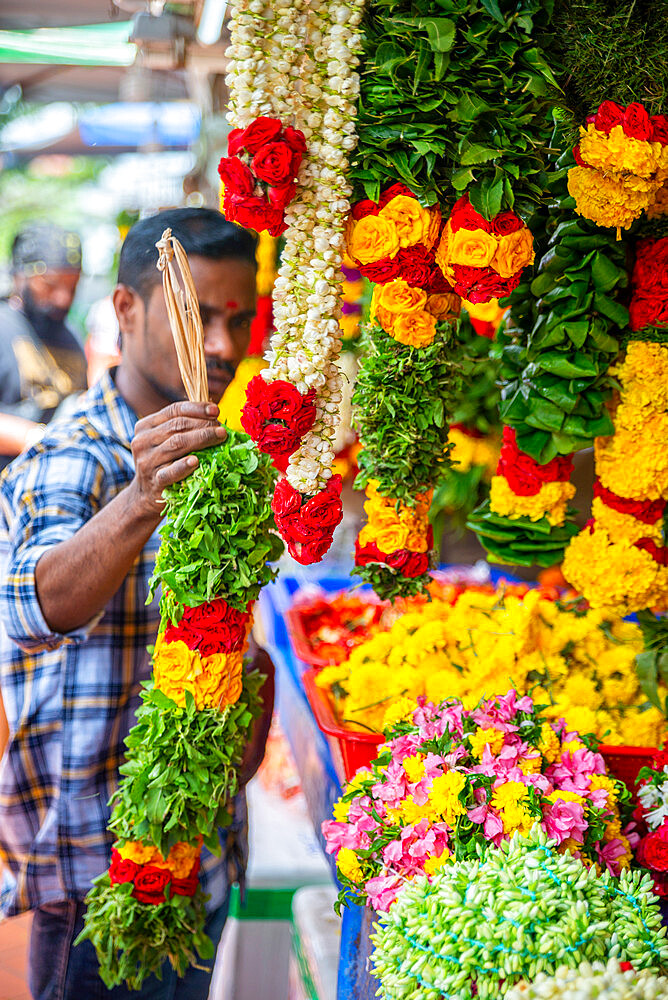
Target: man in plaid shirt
78	529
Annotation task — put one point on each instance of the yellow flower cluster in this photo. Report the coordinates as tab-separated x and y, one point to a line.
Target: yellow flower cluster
234	397
476	248
214	681
580	665
622	179
180	859
265	257
403	222
468	451
659	206
603	563
633	462
393	525
409	314
511	801
551	501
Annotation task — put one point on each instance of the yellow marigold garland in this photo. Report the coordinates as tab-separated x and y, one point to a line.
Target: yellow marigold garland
551	501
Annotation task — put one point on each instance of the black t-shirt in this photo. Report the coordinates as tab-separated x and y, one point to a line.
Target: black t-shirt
36	372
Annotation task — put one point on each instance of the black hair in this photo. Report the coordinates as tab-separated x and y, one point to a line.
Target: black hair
202	232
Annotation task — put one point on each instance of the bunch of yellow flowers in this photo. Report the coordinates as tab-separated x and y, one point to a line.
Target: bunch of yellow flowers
579	664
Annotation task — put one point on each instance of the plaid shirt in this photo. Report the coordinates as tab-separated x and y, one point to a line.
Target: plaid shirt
70	699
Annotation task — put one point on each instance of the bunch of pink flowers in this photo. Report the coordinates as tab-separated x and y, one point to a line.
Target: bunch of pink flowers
449	780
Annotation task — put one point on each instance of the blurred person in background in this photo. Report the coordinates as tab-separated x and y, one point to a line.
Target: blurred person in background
41	359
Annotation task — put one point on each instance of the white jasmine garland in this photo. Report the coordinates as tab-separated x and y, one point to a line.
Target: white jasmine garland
589	981
296	61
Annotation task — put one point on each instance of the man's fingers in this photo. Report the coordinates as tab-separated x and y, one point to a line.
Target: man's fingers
176	471
198	411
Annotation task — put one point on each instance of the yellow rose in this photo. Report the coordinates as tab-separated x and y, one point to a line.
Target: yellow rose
471	248
141	854
416	329
174	662
513	253
372	238
434	227
390	539
417	540
445	306
213	687
443	253
411	220
398	297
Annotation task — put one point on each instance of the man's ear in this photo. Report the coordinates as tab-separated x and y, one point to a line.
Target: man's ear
129	309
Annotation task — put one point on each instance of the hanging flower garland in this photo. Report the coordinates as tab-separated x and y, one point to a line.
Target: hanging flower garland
183	754
621	164
318	46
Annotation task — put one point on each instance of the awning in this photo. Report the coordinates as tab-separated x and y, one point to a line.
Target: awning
87	45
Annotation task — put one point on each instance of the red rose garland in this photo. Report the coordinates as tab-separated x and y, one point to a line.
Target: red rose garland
482	258
211	628
150	881
307	526
259	173
524	475
277	416
649	281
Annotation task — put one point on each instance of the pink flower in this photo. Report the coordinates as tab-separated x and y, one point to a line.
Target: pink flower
338	835
608	855
394	786
382	891
574	769
563	819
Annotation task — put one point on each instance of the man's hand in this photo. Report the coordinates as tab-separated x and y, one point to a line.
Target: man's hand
76	578
162	449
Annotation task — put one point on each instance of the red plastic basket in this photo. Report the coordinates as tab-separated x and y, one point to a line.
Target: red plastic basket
357	749
294	620
353	749
624	762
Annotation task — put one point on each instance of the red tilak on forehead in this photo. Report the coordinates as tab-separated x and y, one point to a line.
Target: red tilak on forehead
231	304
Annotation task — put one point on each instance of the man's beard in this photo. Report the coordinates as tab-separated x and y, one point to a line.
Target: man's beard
218	368
45	320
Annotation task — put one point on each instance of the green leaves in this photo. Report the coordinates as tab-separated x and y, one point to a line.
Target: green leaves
400	402
520	541
472	83
218	537
652	663
390	585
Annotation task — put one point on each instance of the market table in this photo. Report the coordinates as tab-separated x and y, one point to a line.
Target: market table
320	774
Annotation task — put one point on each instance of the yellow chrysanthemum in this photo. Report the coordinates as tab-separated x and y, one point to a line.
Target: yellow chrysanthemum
444	796
619	153
433	865
414	767
551	501
607	200
480	738
549	744
400	711
348	864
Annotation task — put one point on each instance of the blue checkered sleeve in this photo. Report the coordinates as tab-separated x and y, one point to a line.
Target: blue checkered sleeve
46	497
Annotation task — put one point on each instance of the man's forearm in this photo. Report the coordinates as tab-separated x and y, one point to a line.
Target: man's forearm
16	433
78	577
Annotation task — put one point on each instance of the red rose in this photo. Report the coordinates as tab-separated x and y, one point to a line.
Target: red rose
526	476
255	391
276	437
505	223
489	286
281	400
655	849
323	511
255	213
295	139
365	554
464	216
416	265
636	122
209	614
236	177
309	552
381	270
281	461
416	564
183	632
259	132
393	192
642	312
121	870
286	500
660	129
150	884
305	419
363	208
186	886
276	164
608	115
251	421
438	284
280	197
235	141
